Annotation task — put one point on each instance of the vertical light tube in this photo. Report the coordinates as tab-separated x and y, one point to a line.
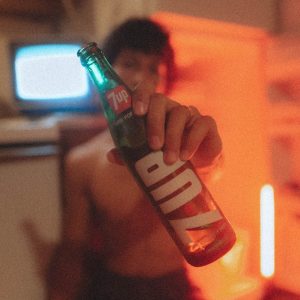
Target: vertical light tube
267	231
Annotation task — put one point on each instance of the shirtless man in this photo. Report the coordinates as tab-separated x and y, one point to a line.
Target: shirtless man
136	258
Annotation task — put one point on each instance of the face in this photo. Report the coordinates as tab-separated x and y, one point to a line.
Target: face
135	67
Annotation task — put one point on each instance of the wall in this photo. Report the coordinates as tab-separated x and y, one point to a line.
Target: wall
256	13
12	27
92	19
261	14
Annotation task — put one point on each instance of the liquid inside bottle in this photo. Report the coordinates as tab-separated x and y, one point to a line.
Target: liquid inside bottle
188	210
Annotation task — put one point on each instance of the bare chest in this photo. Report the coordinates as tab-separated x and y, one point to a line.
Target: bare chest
132	229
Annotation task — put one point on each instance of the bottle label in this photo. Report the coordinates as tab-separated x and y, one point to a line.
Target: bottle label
175	192
118	99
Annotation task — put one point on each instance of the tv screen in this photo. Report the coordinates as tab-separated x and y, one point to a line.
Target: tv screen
48	77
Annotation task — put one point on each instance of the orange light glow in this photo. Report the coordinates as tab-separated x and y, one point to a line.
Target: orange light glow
233	259
267	237
221	72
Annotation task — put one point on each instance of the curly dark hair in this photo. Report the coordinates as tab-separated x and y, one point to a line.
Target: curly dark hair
147	36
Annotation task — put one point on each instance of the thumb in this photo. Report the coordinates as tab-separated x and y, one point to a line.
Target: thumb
141	96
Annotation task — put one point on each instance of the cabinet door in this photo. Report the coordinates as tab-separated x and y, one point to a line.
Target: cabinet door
29	224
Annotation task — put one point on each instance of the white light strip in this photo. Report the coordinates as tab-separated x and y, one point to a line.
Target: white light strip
267	232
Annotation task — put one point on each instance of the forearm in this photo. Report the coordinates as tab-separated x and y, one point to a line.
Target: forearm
66	271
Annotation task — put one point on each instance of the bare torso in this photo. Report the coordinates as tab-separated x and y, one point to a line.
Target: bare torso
135	241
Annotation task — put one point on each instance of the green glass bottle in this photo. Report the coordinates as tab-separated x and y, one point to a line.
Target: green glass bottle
185	206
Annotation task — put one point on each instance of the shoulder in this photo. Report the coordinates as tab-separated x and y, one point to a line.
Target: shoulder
81	161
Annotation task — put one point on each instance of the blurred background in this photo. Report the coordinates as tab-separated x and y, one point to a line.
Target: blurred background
238	61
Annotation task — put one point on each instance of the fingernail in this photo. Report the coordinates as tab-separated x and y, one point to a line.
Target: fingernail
155	142
140	108
185	155
171	157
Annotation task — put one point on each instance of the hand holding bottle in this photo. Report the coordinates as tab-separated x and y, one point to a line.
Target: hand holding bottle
141	124
180	131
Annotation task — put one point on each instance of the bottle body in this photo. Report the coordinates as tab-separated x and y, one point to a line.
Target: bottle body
185	206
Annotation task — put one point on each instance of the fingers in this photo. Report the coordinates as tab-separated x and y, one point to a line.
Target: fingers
202	140
190	135
181	131
141	97
156	119
177	121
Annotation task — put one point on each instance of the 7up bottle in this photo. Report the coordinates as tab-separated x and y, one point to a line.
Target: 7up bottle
188	211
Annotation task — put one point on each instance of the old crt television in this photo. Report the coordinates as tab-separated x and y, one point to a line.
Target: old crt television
47	77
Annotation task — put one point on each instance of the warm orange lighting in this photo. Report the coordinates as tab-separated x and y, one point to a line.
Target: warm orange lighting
267	236
221	70
232	261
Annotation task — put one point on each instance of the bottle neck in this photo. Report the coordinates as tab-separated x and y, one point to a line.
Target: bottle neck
102	73
100	70
114	94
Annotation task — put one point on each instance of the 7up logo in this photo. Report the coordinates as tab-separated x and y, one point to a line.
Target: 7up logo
171	191
119	99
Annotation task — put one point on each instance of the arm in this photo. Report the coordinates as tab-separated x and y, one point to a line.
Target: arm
66	269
